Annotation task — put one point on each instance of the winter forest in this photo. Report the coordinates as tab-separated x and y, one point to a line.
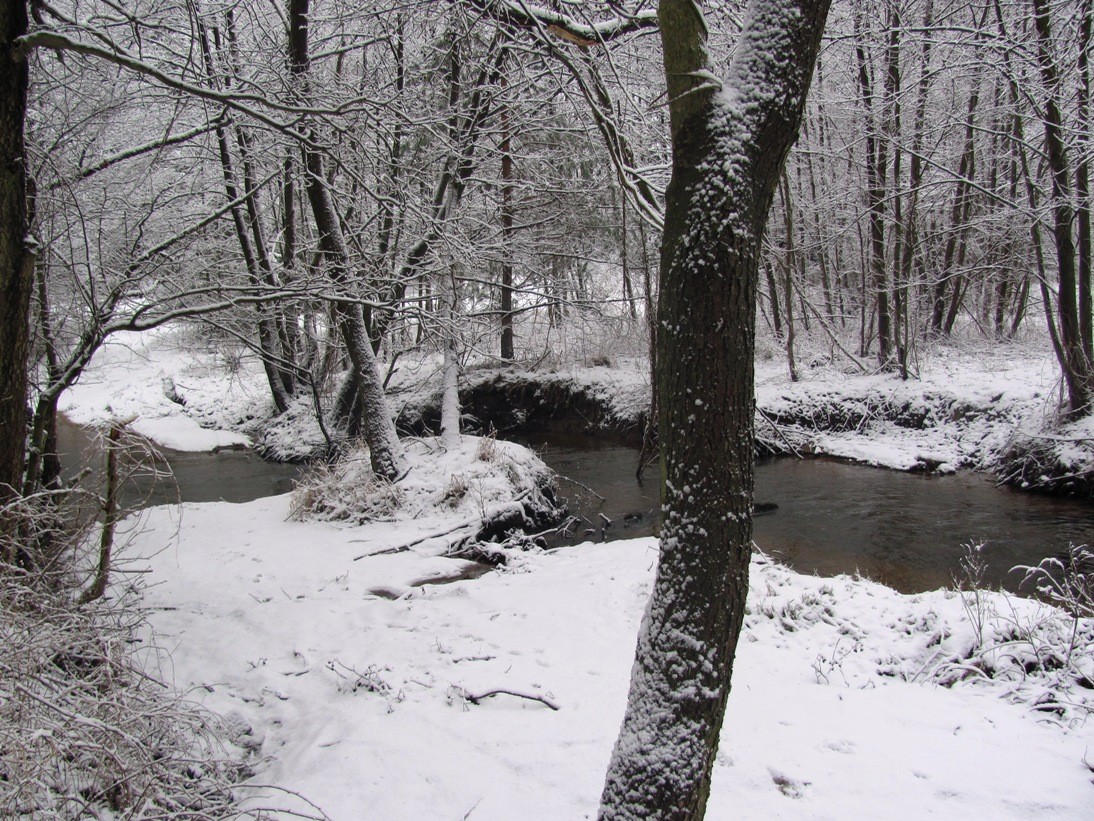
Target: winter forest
493	409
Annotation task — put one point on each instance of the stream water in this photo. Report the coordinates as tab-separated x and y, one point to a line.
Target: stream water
904	530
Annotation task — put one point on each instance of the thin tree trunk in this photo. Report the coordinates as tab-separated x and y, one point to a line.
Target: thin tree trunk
111	516
773	295
385	451
450	387
43	468
789	264
892	135
267	332
507	232
943	319
649	430
1082	187
876	165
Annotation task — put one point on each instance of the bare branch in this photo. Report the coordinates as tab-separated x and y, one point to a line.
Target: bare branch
522	15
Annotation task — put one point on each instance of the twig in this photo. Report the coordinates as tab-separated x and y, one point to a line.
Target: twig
779	432
583	487
475	699
405	547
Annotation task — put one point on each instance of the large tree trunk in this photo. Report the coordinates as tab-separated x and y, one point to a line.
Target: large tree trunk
729	148
16	256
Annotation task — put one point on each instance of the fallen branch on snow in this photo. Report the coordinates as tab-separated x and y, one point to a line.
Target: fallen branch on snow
501	691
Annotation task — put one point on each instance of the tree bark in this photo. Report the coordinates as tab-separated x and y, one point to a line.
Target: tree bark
385	451
16	256
706	341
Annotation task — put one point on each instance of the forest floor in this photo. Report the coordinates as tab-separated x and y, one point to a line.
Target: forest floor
394	685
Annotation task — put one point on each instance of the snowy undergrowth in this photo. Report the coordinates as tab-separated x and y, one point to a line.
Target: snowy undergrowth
88	728
1026	651
490	486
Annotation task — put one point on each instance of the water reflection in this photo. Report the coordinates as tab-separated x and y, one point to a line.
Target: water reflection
901	529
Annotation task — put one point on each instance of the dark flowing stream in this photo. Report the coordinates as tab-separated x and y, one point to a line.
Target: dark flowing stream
901	529
904	530
225	475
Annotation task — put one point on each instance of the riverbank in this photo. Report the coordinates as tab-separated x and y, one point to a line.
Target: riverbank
981	406
379	685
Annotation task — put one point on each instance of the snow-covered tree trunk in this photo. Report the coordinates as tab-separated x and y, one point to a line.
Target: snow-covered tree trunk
450	386
450	397
16	258
385	451
730	141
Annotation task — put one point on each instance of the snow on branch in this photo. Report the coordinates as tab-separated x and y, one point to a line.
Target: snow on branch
585	34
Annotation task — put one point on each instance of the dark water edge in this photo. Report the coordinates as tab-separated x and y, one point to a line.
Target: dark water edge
903	530
223	476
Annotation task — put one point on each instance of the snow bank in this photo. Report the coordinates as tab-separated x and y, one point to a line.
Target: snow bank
184	395
385	688
964	411
513	398
484	484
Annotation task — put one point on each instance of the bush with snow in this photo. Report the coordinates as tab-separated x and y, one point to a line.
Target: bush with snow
477	479
87	727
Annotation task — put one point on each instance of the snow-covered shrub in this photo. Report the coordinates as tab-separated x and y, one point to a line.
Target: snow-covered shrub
487	451
87	729
1044	652
1066	580
455	491
346	491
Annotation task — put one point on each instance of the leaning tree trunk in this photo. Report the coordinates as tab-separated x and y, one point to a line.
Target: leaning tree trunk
16	256
729	148
385	451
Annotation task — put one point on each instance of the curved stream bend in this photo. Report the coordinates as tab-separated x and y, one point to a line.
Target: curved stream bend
904	530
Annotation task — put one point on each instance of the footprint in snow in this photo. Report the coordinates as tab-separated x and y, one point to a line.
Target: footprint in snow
790	787
841	746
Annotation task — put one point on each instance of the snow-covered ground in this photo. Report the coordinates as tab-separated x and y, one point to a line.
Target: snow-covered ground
365	678
366	686
183	394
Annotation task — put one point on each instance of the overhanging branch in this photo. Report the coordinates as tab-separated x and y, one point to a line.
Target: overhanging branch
519	14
